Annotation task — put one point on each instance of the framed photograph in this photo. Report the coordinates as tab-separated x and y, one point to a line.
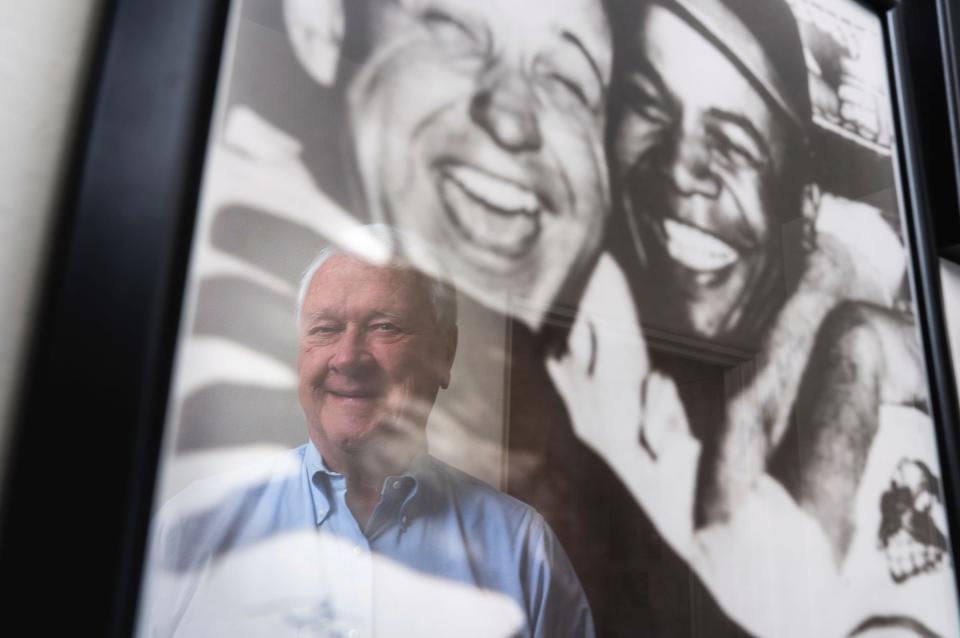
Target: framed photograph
580	317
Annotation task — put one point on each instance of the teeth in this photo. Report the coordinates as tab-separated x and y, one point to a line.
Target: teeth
696	249
498	193
495	231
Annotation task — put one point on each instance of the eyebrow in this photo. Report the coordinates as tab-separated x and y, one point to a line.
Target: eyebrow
386	314
747	126
325	315
575	41
321	315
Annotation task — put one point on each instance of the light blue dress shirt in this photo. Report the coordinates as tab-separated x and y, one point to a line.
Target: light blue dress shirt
283	555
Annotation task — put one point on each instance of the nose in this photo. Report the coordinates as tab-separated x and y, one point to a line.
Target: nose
350	353
505	107
687	165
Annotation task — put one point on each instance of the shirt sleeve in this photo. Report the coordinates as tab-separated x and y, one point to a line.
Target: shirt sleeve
557	605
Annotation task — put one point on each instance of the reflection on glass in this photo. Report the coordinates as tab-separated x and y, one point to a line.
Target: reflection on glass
359	529
685	333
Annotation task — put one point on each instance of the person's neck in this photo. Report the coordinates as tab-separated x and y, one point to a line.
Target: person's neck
365	474
363	492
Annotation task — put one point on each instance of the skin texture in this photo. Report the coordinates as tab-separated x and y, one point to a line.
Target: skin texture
758	416
702	157
479	127
865	357
371	362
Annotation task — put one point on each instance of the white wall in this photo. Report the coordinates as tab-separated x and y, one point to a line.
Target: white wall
45	48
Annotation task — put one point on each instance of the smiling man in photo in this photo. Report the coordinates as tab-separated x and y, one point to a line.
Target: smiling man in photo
478	127
715	161
713	156
783	499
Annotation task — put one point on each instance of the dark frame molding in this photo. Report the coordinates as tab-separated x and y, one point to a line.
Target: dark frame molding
948	21
906	26
84	451
84	454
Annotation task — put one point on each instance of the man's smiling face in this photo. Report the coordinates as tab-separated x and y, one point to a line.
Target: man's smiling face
701	156
479	127
371	357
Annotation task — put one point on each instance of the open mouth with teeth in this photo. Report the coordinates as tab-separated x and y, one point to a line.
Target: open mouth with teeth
696	249
496	214
360	393
353	395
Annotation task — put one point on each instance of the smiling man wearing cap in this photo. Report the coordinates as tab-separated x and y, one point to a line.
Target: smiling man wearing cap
710	138
712	154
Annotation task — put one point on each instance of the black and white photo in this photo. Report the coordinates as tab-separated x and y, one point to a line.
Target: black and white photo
688	353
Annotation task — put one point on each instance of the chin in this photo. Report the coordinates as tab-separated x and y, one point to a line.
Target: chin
349	438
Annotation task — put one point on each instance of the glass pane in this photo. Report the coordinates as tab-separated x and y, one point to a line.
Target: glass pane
684	395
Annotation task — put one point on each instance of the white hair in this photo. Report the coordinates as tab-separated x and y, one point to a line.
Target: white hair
443	299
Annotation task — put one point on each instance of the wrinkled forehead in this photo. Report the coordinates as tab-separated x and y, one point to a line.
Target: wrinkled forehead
772	63
524	23
356	274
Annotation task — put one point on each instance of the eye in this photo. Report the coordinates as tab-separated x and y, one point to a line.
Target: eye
324	332
567	77
447	29
645	100
644	97
323	329
571	86
735	154
385	327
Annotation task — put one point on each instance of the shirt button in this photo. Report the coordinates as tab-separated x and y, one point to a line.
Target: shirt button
396	484
356	550
353	633
403	519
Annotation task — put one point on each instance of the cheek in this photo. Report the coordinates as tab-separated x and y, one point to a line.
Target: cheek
310	366
408	369
403	84
574	139
755	204
574	147
407	113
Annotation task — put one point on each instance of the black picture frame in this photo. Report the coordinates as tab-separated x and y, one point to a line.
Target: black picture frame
85	449
926	169
77	497
948	82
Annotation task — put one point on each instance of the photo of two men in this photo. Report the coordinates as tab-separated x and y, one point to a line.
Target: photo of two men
596	317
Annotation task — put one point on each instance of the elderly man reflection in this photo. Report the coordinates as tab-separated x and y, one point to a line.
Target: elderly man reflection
376	346
478	126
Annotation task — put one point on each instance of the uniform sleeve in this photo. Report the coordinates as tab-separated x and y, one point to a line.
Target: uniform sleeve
557	606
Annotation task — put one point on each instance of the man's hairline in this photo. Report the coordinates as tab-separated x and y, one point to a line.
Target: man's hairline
445	317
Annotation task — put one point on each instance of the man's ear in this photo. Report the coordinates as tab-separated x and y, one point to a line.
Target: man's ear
449	352
809	212
316	28
811	203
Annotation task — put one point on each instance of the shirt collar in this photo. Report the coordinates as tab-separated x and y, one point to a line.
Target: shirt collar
416	481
